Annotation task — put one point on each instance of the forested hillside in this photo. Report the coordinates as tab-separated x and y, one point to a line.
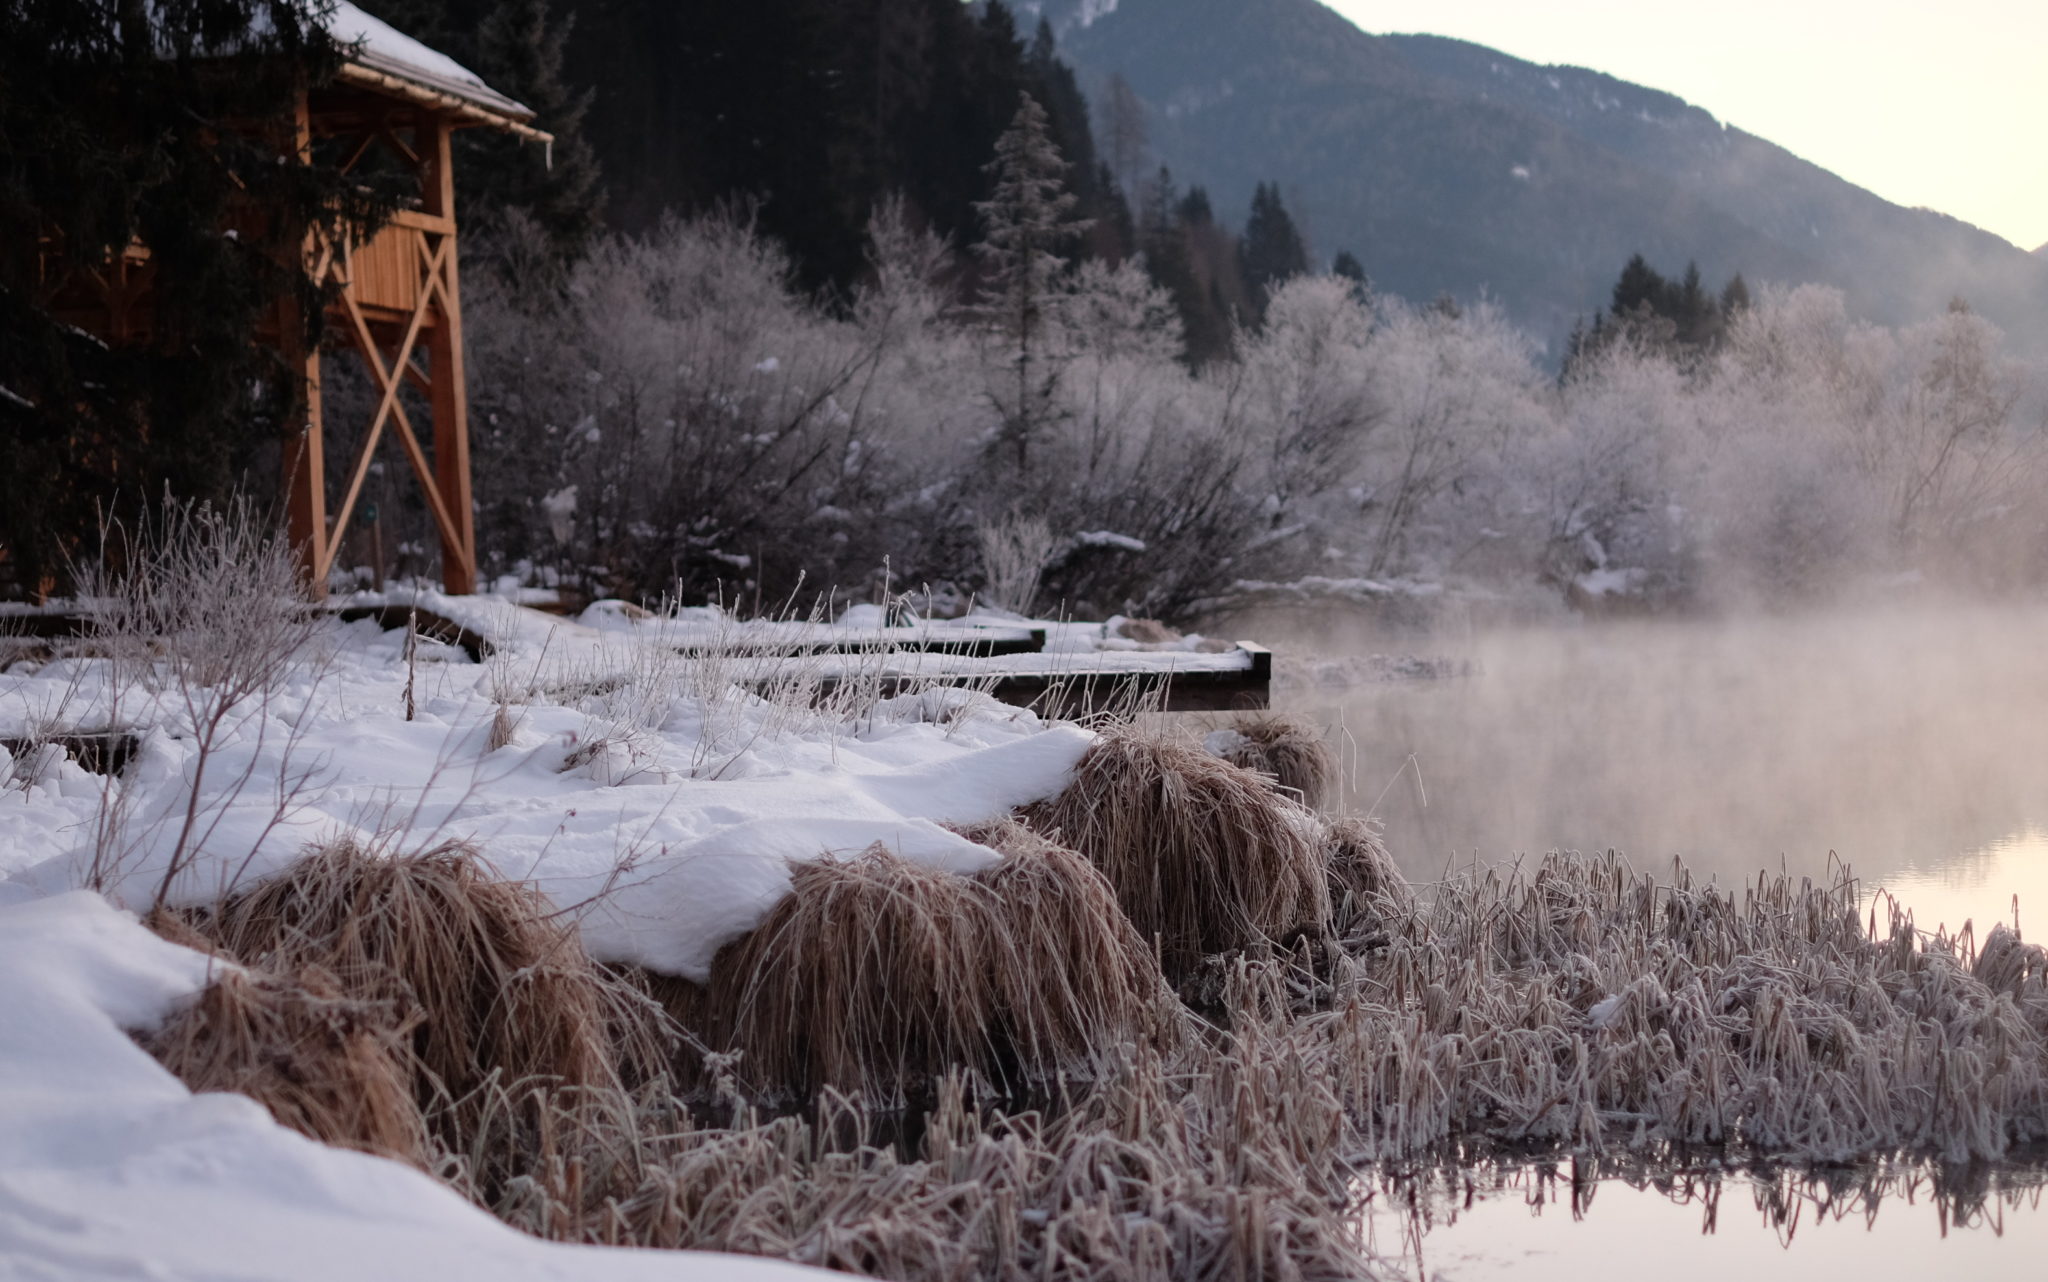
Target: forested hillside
1448	167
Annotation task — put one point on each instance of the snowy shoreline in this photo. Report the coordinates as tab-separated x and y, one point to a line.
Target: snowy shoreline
646	796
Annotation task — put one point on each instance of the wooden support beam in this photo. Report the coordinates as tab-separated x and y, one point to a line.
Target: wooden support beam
305	461
392	410
449	392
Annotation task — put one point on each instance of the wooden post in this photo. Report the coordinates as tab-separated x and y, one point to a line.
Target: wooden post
444	356
305	455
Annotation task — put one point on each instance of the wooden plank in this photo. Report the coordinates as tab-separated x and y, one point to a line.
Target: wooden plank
1079	693
952	642
437	627
105	752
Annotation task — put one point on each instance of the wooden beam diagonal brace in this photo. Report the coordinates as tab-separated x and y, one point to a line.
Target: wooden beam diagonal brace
390	409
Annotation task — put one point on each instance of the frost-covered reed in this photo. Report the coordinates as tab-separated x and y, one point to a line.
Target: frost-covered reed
1574	1006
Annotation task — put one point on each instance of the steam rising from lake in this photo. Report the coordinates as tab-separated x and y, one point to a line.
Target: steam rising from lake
1911	741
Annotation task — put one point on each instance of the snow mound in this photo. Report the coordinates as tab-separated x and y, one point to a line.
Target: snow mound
640	789
110	1168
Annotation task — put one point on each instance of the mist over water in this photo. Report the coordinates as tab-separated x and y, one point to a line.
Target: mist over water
1912	741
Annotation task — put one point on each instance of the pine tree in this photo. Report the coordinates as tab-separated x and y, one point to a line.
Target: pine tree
129	122
1027	221
1734	297
1273	249
1639	288
1195	260
518	47
520	52
1693	310
1348	267
813	111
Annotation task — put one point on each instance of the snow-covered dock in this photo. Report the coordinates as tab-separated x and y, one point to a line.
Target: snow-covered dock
1056	667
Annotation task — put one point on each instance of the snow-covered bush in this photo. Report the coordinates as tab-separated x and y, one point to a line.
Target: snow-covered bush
670	417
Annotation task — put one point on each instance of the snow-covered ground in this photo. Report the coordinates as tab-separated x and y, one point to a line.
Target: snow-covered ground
648	796
110	1168
636	787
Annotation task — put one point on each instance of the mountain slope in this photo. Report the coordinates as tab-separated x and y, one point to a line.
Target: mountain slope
1449	167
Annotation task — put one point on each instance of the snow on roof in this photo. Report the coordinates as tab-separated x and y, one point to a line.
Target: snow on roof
383	47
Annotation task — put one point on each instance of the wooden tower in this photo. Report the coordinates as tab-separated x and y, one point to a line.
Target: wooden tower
398	297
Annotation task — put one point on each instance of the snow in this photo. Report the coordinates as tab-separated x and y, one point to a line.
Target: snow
658	805
381	40
1612	581
641	790
110	1168
1604	1012
1224	742
1109	539
383	47
1067	15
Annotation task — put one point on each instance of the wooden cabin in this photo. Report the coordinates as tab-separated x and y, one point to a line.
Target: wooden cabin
398	298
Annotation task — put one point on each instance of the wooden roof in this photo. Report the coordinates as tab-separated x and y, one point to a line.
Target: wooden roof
389	61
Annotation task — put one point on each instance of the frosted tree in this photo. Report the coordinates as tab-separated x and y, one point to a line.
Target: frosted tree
1453	388
1302	392
1027	220
907	266
1117	313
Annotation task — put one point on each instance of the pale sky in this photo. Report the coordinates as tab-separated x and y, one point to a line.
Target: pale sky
1937	104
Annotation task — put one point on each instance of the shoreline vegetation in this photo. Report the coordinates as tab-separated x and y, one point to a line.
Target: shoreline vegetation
1572	1008
877	1080
1164	1021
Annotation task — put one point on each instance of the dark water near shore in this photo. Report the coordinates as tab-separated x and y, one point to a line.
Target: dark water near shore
1910	744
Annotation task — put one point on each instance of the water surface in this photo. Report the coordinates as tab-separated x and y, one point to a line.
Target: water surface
1913	744
1560	1222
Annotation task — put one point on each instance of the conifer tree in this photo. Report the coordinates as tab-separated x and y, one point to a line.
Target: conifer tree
1693	310
1638	288
154	123
1734	297
1273	249
1348	267
520	51
1028	221
518	47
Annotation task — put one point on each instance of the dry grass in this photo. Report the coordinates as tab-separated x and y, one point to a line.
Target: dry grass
1585	1005
1575	1005
1290	749
492	989
1368	894
504	728
1153	1177
330	1067
876	976
1206	859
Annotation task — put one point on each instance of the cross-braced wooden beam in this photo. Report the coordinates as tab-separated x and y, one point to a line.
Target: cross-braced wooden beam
396	293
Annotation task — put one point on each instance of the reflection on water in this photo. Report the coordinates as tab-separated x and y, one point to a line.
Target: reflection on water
1992	883
1572	1221
1914	743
